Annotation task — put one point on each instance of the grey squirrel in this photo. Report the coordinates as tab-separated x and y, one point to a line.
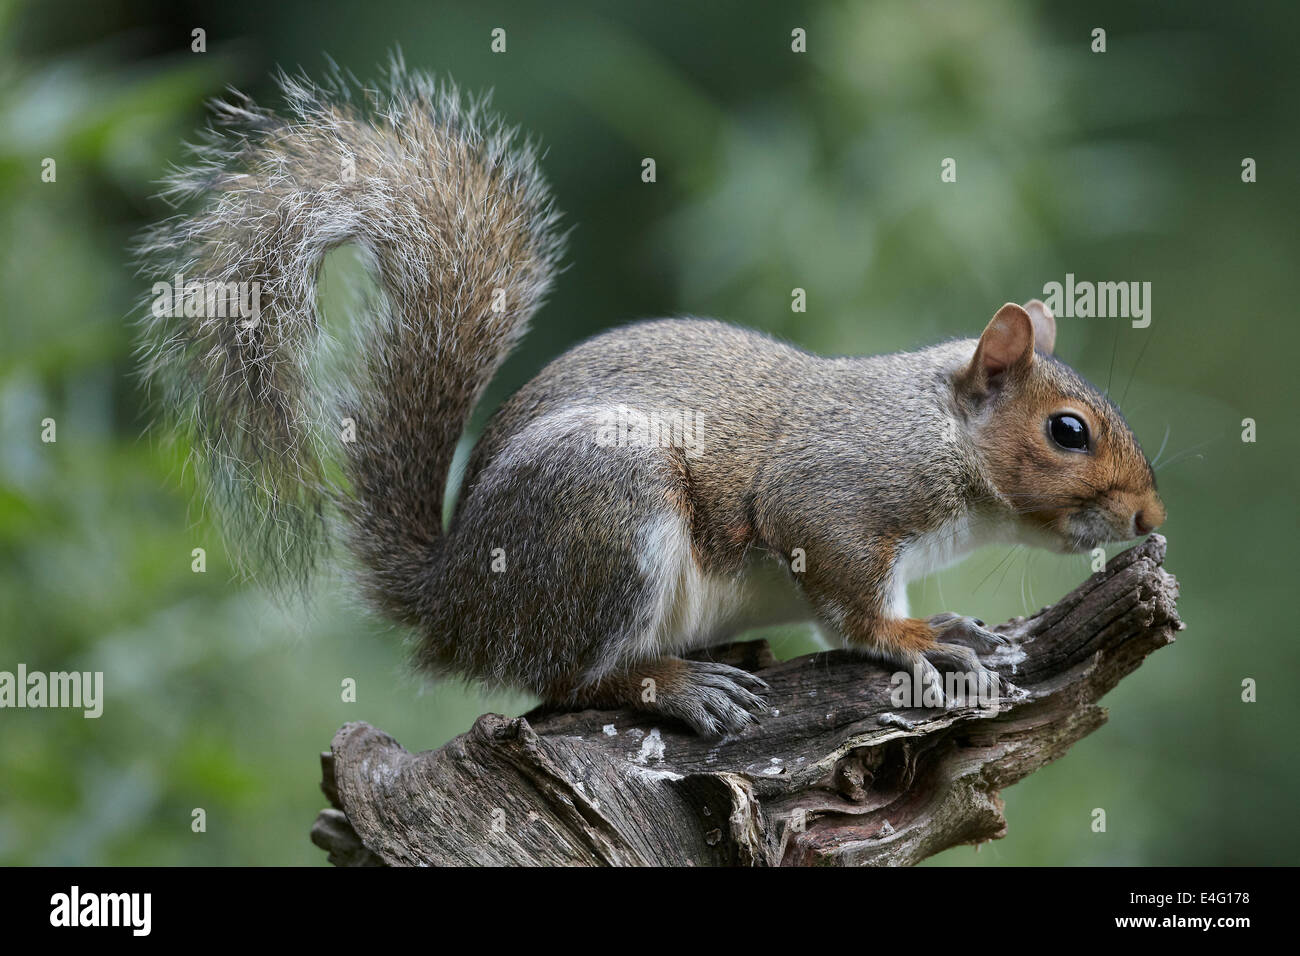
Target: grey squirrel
577	567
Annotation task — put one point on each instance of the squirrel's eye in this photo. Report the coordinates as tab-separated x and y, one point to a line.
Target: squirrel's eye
1068	431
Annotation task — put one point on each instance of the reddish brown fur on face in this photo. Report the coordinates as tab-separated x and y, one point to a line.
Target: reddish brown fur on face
1109	486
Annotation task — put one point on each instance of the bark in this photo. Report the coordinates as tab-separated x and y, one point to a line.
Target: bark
839	774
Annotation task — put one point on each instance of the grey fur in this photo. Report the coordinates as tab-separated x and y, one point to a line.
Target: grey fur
574	568
450	206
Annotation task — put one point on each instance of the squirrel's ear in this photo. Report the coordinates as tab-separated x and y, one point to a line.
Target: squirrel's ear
1044	326
1007	345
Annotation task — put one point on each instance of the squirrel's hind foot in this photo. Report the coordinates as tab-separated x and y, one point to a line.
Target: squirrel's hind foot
713	699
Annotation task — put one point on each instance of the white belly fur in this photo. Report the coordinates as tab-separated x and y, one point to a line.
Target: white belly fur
696	608
935	550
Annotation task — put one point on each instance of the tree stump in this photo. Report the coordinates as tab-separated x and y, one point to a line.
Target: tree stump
838	774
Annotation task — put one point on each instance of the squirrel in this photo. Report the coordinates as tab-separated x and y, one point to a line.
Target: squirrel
584	561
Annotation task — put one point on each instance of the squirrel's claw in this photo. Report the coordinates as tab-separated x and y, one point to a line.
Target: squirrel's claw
959	640
957	628
740	676
978	681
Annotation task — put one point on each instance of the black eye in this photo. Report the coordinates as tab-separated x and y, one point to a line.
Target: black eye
1068	431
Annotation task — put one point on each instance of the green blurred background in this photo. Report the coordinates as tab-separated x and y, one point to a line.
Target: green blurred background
775	170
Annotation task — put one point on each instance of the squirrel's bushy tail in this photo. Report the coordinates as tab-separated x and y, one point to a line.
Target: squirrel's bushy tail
452	213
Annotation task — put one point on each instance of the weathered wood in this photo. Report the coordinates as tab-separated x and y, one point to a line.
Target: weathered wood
837	775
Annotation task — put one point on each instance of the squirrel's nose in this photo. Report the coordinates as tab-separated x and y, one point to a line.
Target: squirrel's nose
1150	516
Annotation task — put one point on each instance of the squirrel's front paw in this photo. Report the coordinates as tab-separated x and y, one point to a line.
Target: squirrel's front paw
968	679
958	642
970	631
